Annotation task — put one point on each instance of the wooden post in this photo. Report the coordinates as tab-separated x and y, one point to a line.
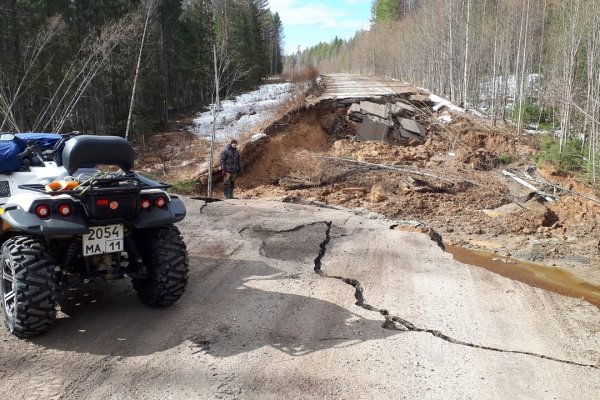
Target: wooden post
214	132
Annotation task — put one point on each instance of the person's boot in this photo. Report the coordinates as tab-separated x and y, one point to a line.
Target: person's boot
227	192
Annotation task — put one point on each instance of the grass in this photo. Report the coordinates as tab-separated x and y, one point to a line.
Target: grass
184	186
533	114
570	160
299	76
507	158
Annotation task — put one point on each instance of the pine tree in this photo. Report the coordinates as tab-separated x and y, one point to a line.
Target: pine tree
384	10
176	69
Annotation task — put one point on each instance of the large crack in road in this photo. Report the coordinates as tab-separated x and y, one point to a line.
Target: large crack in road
392	321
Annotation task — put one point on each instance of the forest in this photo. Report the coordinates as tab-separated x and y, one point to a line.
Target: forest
126	67
532	63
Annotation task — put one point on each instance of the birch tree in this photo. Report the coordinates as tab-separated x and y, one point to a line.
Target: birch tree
148	8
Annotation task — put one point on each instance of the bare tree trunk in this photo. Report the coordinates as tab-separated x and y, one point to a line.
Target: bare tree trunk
572	47
466	66
451	53
494	72
149	9
163	63
523	77
215	110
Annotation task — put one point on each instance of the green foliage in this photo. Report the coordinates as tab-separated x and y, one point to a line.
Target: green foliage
571	159
532	113
507	158
385	10
184	186
317	53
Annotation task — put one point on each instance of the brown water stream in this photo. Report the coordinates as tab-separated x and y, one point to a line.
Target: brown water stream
536	275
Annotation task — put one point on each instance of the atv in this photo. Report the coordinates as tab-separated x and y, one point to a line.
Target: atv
68	220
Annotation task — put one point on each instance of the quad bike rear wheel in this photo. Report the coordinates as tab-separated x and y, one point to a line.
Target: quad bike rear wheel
166	259
27	286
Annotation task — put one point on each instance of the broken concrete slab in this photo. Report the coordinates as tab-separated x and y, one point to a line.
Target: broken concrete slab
413	126
385	121
402	135
354	108
370	130
356	117
380	110
400	108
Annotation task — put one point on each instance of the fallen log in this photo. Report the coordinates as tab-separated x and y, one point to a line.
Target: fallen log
537	191
289	183
390	167
563	189
454	179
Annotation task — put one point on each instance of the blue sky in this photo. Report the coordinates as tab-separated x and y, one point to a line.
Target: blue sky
306	23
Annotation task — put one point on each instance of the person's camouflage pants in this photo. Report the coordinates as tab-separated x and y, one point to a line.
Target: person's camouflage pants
229	185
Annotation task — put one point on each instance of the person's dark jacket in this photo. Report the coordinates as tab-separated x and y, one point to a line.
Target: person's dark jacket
230	160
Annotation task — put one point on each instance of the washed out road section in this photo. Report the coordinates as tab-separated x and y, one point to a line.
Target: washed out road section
258	321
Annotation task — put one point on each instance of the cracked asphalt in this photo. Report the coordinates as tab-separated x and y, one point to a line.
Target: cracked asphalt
299	302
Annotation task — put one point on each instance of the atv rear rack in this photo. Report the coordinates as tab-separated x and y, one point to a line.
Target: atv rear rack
96	184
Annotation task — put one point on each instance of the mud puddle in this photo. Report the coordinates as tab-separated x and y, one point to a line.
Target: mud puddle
536	275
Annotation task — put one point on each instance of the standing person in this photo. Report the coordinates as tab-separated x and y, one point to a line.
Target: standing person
231	167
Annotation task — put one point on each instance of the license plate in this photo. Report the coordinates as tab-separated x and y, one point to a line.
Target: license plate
103	239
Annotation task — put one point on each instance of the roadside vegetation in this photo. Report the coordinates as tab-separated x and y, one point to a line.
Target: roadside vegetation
113	66
570	160
184	186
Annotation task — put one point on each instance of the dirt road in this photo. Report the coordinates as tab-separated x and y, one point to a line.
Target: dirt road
343	86
390	315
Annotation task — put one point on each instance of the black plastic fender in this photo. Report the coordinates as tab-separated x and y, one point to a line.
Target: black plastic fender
24	221
175	212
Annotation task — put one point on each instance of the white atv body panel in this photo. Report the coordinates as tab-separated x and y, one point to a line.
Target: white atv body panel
25	199
9	183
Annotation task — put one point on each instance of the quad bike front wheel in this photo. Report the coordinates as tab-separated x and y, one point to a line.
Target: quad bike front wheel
166	260
27	286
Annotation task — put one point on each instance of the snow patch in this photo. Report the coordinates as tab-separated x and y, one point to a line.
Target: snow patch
476	113
445	119
509	86
242	113
440	103
258	136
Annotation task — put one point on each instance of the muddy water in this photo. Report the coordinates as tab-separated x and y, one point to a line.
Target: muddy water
552	279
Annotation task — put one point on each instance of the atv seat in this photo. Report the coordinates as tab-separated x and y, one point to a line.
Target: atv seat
88	151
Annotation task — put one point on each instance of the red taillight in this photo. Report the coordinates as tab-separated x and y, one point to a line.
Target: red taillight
65	210
145	204
42	211
160	201
102	202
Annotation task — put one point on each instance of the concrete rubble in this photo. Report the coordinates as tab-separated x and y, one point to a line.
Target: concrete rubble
402	118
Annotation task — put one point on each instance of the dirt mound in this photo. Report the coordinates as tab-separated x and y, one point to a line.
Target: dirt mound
279	152
452	181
